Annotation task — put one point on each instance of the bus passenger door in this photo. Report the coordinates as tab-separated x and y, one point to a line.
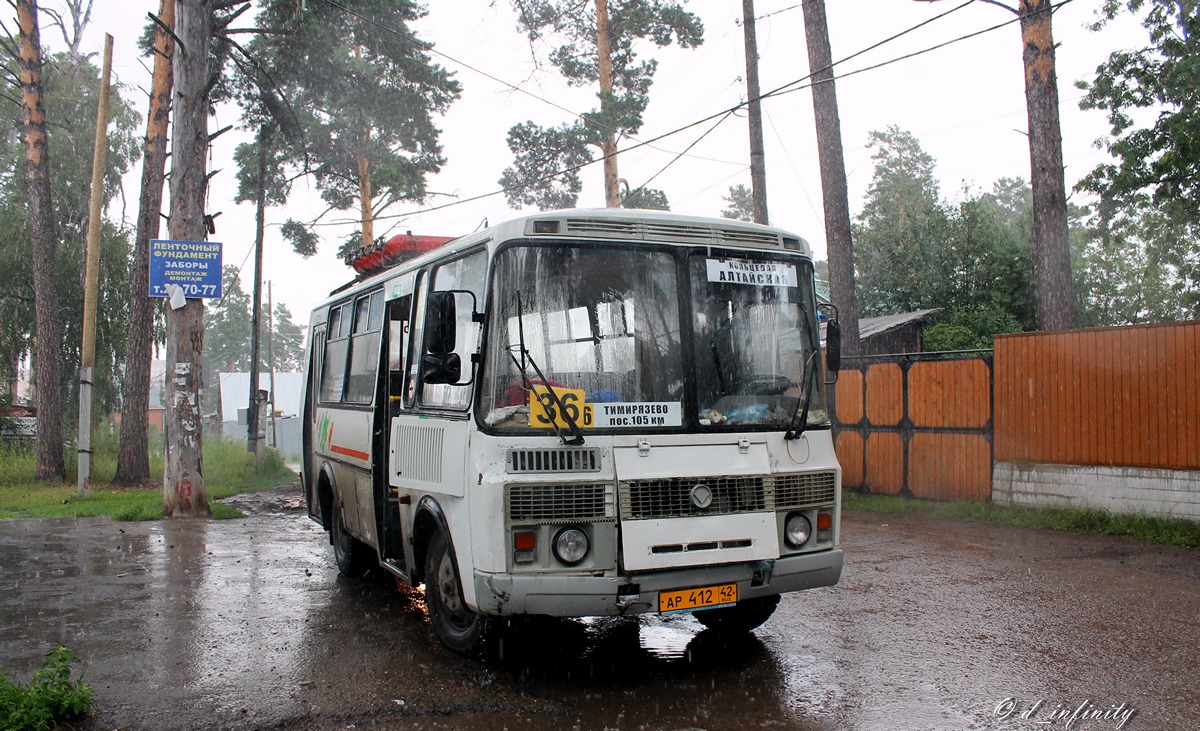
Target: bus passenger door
389	499
308	423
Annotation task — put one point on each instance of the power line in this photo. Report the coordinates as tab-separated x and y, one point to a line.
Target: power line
792	86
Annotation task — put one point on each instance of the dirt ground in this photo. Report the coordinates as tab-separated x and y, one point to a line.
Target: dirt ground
245	624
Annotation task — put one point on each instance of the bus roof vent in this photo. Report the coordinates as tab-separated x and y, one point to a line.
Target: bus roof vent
673	232
526	461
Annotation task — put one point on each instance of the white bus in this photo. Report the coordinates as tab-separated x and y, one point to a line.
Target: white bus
580	413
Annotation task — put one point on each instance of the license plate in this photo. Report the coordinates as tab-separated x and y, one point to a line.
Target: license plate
704	597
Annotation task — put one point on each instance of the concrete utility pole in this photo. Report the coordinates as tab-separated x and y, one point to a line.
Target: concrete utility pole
758	158
87	357
253	434
833	174
184	493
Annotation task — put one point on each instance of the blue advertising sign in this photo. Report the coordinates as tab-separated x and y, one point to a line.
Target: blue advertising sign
193	265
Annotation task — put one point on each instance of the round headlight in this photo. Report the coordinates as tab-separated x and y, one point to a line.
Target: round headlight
570	545
797	529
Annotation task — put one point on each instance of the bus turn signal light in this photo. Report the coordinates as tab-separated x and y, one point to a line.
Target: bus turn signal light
524	546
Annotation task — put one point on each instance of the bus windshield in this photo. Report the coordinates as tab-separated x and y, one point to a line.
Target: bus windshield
599	333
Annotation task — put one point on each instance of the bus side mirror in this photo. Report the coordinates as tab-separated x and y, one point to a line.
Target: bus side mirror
440	362
833	346
441	322
441	368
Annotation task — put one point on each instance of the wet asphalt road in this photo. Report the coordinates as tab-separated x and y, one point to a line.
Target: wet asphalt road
246	625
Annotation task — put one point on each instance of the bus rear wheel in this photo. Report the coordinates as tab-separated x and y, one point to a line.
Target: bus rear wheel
741	617
459	628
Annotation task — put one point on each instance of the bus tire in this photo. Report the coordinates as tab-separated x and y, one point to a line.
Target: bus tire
741	617
459	628
350	554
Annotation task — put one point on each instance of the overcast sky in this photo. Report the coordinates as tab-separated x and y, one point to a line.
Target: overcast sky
965	102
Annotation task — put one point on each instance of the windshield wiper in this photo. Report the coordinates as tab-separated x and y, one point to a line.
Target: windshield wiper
808	376
577	433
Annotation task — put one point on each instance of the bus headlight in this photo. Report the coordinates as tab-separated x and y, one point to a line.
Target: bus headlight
571	545
796	530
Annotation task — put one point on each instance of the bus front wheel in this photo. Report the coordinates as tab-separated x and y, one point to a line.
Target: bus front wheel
349	553
459	628
741	617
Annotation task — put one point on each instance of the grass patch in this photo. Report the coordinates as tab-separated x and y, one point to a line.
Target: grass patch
228	470
1183	533
48	696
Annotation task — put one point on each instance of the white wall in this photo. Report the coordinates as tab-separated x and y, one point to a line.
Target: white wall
1161	493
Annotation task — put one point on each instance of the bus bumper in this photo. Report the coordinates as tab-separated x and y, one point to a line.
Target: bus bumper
596	596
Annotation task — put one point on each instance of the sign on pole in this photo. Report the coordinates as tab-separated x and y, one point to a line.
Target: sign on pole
193	265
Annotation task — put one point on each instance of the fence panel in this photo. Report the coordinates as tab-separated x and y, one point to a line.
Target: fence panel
1125	396
906	425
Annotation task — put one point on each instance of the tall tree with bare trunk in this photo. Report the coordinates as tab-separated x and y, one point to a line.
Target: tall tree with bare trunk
1052	248
133	459
184	491
43	241
838	239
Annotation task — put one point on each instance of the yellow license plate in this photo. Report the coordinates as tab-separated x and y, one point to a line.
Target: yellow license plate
704	597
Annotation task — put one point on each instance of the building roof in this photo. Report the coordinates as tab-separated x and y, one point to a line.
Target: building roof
870	326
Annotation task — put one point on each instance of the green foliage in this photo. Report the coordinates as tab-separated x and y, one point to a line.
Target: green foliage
353	90
303	240
546	160
1126	273
49	695
228	329
228	470
741	203
1182	533
1152	96
649	199
915	251
71	86
968	329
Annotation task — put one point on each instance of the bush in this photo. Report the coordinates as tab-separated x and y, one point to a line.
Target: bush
49	695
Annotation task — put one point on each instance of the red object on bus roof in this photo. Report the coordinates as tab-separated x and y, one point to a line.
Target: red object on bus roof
401	247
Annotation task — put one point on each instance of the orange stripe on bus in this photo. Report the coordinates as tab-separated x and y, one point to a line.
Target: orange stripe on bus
350	452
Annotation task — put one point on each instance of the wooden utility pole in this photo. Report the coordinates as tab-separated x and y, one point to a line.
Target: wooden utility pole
612	190
43	244
184	492
133	456
758	159
833	174
91	283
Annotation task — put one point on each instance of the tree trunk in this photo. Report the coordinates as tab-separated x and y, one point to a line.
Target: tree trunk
43	246
612	193
758	160
1055	295
133	455
365	198
184	492
833	174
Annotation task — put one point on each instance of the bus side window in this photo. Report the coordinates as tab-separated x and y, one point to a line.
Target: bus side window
364	348
333	369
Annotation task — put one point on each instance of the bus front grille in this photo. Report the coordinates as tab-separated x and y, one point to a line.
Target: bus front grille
682	497
559	503
805	490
